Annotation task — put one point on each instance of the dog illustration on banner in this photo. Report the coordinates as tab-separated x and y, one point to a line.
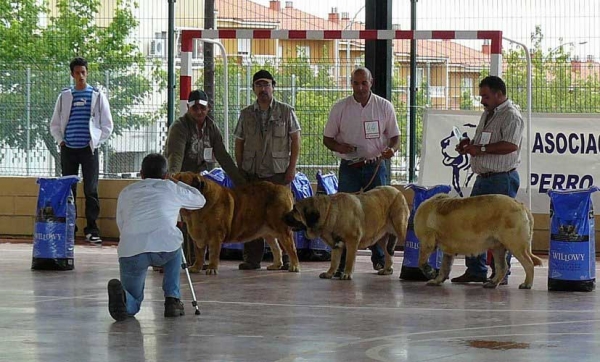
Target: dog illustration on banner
461	165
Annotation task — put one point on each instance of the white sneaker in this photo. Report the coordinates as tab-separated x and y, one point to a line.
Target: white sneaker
93	238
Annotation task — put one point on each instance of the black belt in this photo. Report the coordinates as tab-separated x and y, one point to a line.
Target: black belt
363	163
490	174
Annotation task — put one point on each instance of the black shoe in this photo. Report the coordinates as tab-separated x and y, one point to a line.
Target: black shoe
468	278
116	300
286	262
377	265
248	266
173	307
93	238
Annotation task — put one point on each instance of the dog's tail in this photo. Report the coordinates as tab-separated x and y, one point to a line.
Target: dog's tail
391	244
530	219
399	218
536	260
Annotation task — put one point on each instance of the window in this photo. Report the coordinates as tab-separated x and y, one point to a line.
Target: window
244	46
466	85
303	51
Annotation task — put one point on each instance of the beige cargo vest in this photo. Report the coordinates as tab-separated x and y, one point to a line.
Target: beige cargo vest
268	153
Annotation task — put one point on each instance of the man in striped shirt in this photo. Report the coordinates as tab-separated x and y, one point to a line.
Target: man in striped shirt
80	123
495	156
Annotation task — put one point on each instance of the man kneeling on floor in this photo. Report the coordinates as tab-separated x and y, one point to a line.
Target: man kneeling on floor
147	216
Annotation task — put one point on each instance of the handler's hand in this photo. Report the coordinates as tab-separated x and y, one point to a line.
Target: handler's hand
473	150
388	153
290	173
462	145
344	148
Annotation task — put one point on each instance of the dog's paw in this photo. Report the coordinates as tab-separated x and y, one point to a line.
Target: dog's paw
294	268
194	270
428	271
346	276
525	286
434	283
211	271
274	267
325	275
490	285
389	271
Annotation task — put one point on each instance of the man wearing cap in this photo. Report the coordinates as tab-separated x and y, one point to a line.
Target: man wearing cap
267	146
195	143
362	130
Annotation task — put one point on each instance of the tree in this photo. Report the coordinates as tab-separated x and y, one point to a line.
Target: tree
558	84
116	65
304	84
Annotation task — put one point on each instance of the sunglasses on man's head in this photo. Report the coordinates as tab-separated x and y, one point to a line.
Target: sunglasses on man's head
263	85
199	107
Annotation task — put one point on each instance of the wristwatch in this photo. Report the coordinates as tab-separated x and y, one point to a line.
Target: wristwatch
483	149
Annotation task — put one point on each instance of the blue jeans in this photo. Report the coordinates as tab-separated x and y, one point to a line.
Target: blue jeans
504	184
352	179
133	271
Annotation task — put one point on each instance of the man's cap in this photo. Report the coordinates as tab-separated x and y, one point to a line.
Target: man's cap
262	75
198	97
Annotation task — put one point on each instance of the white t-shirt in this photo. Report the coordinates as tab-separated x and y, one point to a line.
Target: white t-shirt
368	128
147	214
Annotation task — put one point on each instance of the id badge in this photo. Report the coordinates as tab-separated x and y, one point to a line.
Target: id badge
208	155
371	129
485	138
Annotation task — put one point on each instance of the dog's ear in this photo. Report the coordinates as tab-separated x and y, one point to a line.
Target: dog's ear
291	221
311	216
197	183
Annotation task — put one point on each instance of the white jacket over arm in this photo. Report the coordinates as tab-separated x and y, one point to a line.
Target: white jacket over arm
101	122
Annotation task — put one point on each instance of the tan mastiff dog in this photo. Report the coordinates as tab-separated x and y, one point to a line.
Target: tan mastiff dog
242	214
472	225
353	221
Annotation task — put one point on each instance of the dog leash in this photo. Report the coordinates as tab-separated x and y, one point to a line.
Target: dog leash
362	189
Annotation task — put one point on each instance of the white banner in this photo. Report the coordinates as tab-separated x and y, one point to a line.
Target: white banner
564	150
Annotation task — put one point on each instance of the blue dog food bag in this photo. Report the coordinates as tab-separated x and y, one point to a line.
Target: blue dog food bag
572	253
301	189
54	235
410	263
219	176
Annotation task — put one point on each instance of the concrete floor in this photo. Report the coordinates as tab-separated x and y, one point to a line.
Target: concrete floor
282	316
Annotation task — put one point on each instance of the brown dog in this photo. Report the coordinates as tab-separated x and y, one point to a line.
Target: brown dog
242	214
353	221
472	225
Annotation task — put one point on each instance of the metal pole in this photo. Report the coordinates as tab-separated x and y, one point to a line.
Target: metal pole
413	95
171	65
529	106
105	155
209	55
226	90
250	85
293	100
348	66
28	118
